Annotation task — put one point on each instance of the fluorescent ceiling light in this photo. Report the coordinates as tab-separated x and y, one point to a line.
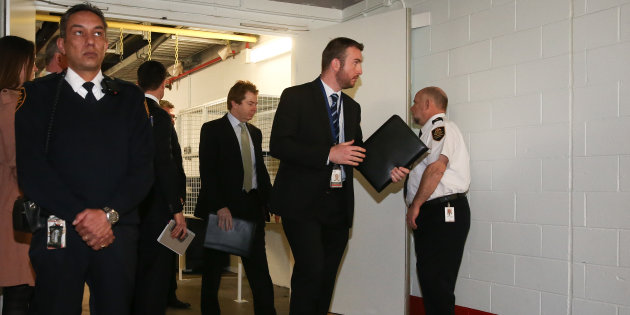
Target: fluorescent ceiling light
270	49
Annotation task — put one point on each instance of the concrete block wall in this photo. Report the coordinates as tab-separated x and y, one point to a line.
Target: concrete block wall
540	90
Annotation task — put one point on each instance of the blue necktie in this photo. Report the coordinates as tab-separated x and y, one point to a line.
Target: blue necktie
335	116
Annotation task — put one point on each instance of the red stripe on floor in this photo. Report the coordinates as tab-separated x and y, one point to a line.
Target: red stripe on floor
416	307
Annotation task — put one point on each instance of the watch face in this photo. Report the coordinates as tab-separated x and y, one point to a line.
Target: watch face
112	216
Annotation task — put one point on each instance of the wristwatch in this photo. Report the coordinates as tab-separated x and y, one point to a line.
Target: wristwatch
112	215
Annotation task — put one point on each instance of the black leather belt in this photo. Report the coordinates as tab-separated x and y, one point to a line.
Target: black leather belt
444	199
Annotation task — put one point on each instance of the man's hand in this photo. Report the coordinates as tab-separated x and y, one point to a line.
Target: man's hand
225	219
398	173
179	231
346	153
412	215
93	227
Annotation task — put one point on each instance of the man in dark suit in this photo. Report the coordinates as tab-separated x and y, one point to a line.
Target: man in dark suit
316	135
235	183
164	202
173	301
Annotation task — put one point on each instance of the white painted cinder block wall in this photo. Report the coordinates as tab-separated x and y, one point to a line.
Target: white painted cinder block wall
540	90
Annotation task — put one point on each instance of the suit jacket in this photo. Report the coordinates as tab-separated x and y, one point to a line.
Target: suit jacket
301	139
221	170
165	196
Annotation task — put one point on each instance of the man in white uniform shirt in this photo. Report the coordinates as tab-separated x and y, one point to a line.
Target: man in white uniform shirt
438	211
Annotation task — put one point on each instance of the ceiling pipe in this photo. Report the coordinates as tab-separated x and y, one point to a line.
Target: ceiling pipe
161	29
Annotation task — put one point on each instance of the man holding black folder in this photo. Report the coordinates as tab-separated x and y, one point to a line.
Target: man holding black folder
235	183
438	212
316	136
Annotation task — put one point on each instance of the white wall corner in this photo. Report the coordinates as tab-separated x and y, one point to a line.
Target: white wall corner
420	20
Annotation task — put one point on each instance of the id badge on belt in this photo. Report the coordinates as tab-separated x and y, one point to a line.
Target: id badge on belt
56	233
335	177
449	213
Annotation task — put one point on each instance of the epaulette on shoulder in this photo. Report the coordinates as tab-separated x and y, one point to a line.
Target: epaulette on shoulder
21	98
146	108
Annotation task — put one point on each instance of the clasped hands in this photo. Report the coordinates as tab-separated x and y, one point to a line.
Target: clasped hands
93	227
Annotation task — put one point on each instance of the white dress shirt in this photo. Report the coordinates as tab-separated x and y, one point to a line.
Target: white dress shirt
237	130
342	136
456	178
76	82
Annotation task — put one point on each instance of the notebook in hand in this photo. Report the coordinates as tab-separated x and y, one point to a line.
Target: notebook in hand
175	244
391	145
237	241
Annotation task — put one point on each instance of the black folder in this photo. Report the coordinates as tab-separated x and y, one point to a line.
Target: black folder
391	145
237	241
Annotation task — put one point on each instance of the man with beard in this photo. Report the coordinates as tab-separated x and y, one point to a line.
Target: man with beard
316	136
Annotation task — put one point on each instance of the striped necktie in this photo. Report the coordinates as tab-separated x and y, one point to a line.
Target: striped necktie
334	110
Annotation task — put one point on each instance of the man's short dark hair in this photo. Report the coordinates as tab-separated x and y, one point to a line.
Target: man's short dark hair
336	49
151	75
238	91
438	95
86	6
51	49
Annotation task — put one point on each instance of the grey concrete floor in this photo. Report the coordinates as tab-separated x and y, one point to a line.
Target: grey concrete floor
189	290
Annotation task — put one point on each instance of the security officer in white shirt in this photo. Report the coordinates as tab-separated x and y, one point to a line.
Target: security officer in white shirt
438	211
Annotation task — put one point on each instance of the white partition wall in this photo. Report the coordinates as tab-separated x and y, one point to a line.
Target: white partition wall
540	90
372	279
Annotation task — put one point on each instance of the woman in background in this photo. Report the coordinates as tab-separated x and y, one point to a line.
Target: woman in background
17	58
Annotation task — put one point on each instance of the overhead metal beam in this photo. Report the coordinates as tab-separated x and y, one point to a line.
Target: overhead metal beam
161	29
133	57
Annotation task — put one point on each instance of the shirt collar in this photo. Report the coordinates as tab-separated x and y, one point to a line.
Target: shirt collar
151	96
428	126
233	120
329	90
76	82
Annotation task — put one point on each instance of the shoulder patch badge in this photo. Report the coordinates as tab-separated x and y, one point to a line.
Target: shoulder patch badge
21	98
438	133
146	108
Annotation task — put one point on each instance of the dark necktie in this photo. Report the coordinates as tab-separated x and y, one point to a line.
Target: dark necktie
89	96
335	116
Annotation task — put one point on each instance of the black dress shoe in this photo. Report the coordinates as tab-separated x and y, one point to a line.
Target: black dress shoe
178	304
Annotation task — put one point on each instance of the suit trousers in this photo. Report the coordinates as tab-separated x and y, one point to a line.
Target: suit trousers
154	273
256	269
317	245
439	249
61	274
